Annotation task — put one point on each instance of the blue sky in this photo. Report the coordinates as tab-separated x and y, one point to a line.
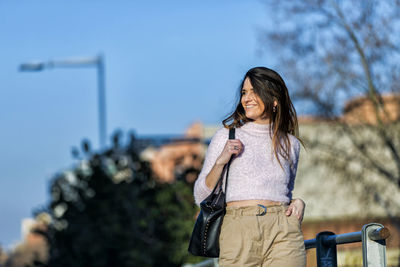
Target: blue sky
168	64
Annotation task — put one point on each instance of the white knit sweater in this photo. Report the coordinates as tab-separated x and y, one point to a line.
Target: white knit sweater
255	173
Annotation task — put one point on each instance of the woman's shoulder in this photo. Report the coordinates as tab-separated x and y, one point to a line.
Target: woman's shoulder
294	142
293	138
221	133
219	138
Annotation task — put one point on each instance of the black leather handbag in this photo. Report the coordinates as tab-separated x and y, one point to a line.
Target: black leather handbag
205	236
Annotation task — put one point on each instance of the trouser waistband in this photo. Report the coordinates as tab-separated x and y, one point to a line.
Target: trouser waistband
257	210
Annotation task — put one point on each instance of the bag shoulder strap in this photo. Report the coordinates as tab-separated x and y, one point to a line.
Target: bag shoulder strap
232	133
219	183
231	136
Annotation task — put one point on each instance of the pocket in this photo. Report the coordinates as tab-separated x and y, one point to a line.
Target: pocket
294	233
225	227
230	240
294	220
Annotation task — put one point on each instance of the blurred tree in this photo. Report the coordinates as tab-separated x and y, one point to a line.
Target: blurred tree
109	211
331	51
3	256
26	256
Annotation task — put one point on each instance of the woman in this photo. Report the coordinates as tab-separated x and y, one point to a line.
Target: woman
262	222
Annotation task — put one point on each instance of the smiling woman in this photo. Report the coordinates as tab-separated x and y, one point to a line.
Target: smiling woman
262	224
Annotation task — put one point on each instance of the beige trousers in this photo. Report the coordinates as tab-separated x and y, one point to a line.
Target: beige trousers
271	239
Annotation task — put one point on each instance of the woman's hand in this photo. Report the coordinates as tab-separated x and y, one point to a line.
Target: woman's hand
297	207
232	147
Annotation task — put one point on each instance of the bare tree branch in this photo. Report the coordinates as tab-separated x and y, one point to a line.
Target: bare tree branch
332	51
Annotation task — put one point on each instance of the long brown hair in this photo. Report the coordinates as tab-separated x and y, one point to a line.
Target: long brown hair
270	87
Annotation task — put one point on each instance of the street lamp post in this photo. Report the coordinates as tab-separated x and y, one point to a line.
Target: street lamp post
98	62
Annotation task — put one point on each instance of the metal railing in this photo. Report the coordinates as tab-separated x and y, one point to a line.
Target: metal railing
373	237
206	263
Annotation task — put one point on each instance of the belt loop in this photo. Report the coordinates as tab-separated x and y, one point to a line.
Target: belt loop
264	211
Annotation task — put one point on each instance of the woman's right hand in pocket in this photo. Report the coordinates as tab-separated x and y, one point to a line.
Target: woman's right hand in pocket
232	147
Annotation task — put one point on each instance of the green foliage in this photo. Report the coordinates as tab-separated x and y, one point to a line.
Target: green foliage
110	211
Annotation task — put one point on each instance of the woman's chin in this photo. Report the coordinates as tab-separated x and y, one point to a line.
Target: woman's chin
252	117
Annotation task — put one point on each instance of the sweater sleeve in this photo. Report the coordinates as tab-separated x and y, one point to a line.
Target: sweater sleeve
201	190
294	156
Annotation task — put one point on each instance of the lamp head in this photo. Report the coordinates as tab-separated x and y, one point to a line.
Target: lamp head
31	67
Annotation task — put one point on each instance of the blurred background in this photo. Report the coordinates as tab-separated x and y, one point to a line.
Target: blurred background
107	108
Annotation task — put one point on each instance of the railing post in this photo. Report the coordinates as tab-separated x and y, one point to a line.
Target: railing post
374	245
326	252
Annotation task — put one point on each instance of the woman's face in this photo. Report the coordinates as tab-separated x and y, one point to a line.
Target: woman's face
252	103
